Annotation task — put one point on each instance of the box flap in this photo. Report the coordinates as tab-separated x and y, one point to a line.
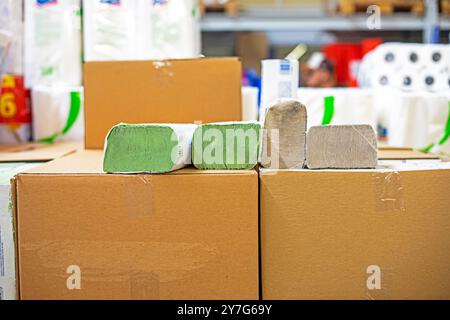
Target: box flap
170	91
403	153
35	152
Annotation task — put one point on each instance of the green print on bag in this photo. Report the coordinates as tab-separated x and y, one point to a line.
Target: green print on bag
74	113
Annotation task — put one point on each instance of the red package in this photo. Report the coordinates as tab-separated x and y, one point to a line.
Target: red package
14	107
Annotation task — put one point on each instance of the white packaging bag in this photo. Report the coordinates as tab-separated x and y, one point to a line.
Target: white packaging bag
175	30
338	106
413	119
57	113
141	29
109	30
11	37
53	52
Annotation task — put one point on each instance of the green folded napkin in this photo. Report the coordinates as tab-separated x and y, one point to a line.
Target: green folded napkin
226	146
150	148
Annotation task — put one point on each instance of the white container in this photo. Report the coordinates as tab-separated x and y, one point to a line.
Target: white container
250	104
280	80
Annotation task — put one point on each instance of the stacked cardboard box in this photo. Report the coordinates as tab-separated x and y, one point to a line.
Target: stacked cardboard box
13	160
361	234
190	234
186	235
170	91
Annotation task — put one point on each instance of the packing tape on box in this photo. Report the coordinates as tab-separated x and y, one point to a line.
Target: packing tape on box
388	190
145	286
165	69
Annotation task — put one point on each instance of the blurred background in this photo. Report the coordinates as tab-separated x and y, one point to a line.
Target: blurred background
347	51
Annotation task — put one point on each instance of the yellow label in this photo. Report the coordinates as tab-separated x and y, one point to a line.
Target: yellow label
8	107
8	82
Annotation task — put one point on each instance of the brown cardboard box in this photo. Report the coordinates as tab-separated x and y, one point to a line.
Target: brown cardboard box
369	234
394	153
252	48
172	91
15	159
186	235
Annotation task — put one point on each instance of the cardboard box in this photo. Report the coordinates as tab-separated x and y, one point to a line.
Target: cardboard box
368	234
172	91
393	153
252	48
37	152
185	235
13	160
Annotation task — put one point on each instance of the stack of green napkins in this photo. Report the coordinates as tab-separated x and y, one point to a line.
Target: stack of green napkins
149	148
161	148
226	146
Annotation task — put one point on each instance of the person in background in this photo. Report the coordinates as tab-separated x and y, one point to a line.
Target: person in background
318	72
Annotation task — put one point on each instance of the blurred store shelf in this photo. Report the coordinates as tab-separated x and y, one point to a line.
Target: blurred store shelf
445	24
314	18
397	22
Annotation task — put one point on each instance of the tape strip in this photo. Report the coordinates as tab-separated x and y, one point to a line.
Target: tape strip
140	209
145	286
388	192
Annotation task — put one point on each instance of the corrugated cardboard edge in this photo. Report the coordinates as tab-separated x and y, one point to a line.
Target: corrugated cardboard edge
403	154
16	233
